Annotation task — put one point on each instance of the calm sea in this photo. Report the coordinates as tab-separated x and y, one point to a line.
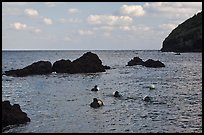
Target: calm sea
59	103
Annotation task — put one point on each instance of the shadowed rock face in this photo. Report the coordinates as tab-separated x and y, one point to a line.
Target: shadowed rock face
187	37
88	63
37	68
12	115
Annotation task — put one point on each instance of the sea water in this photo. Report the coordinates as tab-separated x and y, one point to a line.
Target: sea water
59	102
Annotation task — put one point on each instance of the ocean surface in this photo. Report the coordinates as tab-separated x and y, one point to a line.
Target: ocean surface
59	103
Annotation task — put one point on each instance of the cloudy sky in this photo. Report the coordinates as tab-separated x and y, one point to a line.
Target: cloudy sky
91	25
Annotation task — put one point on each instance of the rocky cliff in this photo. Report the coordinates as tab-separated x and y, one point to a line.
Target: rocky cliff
187	37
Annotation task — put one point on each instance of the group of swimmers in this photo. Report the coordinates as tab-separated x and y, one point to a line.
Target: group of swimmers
97	102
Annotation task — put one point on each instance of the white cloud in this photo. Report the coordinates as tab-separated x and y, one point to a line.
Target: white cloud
70	20
173	9
109	20
107	28
23	26
19	26
73	10
125	28
168	26
85	32
47	21
140	28
31	12
132	10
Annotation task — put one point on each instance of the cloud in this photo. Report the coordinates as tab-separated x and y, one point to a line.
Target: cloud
70	20
47	21
109	20
132	10
168	26
140	28
85	32
173	9
31	12
23	26
19	26
73	10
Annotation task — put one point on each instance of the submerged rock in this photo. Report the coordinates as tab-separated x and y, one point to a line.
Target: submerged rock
13	115
37	68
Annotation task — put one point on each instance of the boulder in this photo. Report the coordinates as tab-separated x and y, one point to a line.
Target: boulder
88	63
153	63
37	68
135	61
13	115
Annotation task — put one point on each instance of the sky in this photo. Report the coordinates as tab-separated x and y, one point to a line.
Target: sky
91	25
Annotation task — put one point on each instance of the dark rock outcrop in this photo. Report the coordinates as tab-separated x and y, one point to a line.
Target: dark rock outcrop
135	61
153	63
88	63
13	115
148	63
37	68
187	37
62	66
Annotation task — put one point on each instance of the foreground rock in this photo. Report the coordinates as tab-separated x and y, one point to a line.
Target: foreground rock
88	63
187	37
12	115
37	68
149	63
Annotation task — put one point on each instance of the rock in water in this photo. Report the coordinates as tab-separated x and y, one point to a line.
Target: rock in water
88	63
12	115
37	68
135	61
187	37
153	63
